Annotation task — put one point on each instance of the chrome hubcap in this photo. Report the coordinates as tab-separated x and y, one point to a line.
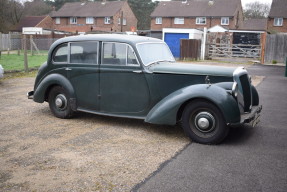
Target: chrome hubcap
61	102
204	122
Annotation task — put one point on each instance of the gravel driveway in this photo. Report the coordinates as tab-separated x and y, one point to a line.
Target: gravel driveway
39	152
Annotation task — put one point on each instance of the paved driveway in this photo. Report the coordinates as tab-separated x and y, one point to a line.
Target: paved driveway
250	159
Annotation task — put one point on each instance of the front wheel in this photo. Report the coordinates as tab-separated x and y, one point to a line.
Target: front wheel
204	123
59	102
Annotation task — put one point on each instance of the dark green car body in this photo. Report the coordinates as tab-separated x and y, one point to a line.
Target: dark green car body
116	80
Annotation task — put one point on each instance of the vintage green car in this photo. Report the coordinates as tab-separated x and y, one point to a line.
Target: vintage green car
137	77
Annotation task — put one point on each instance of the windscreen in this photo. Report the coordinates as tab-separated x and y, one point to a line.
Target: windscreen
154	52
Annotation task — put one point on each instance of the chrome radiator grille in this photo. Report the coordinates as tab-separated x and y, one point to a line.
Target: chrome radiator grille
247	95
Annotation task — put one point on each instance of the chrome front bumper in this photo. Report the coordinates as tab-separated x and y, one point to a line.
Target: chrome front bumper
253	118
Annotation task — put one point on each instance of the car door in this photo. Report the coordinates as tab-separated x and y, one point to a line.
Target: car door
83	73
123	86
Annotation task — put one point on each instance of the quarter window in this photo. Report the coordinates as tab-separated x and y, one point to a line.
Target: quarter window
178	20
158	20
84	52
278	21
224	20
73	20
118	54
200	20
61	53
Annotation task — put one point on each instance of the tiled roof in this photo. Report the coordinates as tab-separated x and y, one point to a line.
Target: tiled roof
278	9
89	9
29	21
197	8
255	24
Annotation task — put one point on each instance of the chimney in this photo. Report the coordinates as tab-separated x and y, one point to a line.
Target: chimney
210	2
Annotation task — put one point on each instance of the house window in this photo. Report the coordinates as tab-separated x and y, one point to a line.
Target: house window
158	20
124	21
178	20
58	20
200	20
90	20
278	21
224	20
73	20
107	20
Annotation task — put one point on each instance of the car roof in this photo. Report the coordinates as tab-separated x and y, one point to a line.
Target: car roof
123	38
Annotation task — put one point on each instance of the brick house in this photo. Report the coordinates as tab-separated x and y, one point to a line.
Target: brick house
197	14
277	19
44	22
109	16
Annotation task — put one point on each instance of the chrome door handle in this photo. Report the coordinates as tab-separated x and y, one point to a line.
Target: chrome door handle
68	69
138	71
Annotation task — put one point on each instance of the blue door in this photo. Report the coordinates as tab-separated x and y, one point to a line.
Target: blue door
173	41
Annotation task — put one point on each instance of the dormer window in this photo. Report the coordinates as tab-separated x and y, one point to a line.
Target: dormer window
178	20
158	20
278	22
200	20
107	20
73	20
224	20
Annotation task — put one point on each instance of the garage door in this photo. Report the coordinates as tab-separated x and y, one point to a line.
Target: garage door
173	41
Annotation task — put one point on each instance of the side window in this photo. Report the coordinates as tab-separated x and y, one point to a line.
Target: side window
84	52
61	53
118	54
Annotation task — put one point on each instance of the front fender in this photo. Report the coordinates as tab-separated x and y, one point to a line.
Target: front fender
49	81
165	112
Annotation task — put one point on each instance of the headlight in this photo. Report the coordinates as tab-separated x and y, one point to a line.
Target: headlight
235	89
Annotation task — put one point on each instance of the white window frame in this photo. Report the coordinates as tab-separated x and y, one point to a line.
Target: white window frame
224	20
58	20
199	19
89	20
179	20
73	20
278	22
158	20
107	20
124	21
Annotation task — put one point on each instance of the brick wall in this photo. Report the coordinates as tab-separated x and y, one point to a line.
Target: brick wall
46	23
276	29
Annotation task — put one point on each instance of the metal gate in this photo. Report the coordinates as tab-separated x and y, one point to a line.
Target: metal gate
234	50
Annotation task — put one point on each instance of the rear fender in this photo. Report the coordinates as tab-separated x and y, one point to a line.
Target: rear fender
50	81
166	111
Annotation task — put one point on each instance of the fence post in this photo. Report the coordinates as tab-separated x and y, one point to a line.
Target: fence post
286	67
25	54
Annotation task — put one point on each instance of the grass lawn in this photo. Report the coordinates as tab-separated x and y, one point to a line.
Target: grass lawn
16	62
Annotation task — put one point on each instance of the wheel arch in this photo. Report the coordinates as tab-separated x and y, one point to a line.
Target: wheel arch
169	110
50	81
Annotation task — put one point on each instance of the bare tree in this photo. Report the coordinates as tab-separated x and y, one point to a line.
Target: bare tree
36	8
256	10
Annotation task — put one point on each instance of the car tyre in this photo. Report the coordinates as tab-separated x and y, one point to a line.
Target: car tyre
59	102
204	123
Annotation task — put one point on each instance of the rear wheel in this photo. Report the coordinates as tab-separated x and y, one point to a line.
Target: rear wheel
59	102
204	123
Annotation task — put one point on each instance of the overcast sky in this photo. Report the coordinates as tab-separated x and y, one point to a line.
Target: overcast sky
243	1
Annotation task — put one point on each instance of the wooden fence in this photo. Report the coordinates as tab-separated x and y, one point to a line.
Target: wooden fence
234	50
190	49
276	48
